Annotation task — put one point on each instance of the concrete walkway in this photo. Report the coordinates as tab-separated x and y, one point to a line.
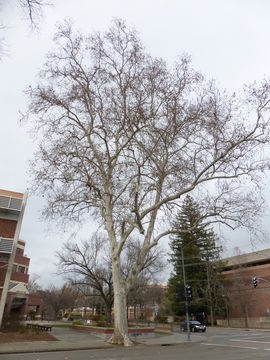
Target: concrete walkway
68	339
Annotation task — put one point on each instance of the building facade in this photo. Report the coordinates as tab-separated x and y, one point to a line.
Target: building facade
248	305
16	302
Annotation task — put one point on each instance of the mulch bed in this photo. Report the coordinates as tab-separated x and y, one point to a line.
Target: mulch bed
17	336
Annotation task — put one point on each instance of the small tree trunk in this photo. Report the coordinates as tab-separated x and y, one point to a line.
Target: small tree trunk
108	310
120	335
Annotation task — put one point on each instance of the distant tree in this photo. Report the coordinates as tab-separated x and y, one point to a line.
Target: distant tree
202	261
153	266
89	297
33	285
146	296
88	267
242	297
56	299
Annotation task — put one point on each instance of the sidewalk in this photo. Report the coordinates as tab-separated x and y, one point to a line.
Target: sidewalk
73	340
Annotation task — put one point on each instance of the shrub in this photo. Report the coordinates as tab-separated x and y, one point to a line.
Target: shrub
101	324
23	329
104	324
77	322
11	324
74	317
162	319
98	317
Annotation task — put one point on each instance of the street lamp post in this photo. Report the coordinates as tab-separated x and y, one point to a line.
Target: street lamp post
185	289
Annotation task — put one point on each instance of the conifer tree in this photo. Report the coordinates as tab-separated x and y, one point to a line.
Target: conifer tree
202	263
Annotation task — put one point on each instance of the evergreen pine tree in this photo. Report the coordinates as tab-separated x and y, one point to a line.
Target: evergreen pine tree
202	265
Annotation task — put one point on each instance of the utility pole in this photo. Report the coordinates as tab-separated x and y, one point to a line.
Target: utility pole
209	292
185	289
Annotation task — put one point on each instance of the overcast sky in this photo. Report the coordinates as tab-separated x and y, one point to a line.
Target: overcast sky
228	40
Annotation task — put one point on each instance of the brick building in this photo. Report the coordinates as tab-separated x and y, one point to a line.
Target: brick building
16	302
248	306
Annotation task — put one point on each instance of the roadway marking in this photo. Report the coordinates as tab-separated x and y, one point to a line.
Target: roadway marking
258	337
236	335
231	346
254	341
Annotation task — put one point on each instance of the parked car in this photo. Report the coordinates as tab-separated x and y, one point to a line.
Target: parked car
194	325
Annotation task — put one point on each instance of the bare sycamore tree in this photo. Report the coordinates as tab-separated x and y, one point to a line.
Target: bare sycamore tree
88	267
125	138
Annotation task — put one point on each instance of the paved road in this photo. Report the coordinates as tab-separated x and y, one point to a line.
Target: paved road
216	344
232	338
175	352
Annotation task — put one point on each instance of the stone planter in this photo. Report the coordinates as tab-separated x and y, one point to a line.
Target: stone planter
107	332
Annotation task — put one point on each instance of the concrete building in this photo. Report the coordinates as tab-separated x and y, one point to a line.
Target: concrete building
248	306
16	302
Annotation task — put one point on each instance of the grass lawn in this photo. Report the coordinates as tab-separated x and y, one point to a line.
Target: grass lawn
25	335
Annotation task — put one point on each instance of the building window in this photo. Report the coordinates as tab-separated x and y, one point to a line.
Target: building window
14	268
21	269
18	251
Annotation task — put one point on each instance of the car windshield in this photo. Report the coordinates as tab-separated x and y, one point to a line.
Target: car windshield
195	322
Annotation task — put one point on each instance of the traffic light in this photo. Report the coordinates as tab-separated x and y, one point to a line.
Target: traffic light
254	280
189	292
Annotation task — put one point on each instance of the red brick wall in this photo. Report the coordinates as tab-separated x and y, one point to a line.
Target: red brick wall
243	297
7	228
16	276
22	260
34	299
19	251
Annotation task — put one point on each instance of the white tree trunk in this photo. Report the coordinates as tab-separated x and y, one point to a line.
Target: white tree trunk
120	335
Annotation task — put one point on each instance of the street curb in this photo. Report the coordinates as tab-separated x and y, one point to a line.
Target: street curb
31	351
